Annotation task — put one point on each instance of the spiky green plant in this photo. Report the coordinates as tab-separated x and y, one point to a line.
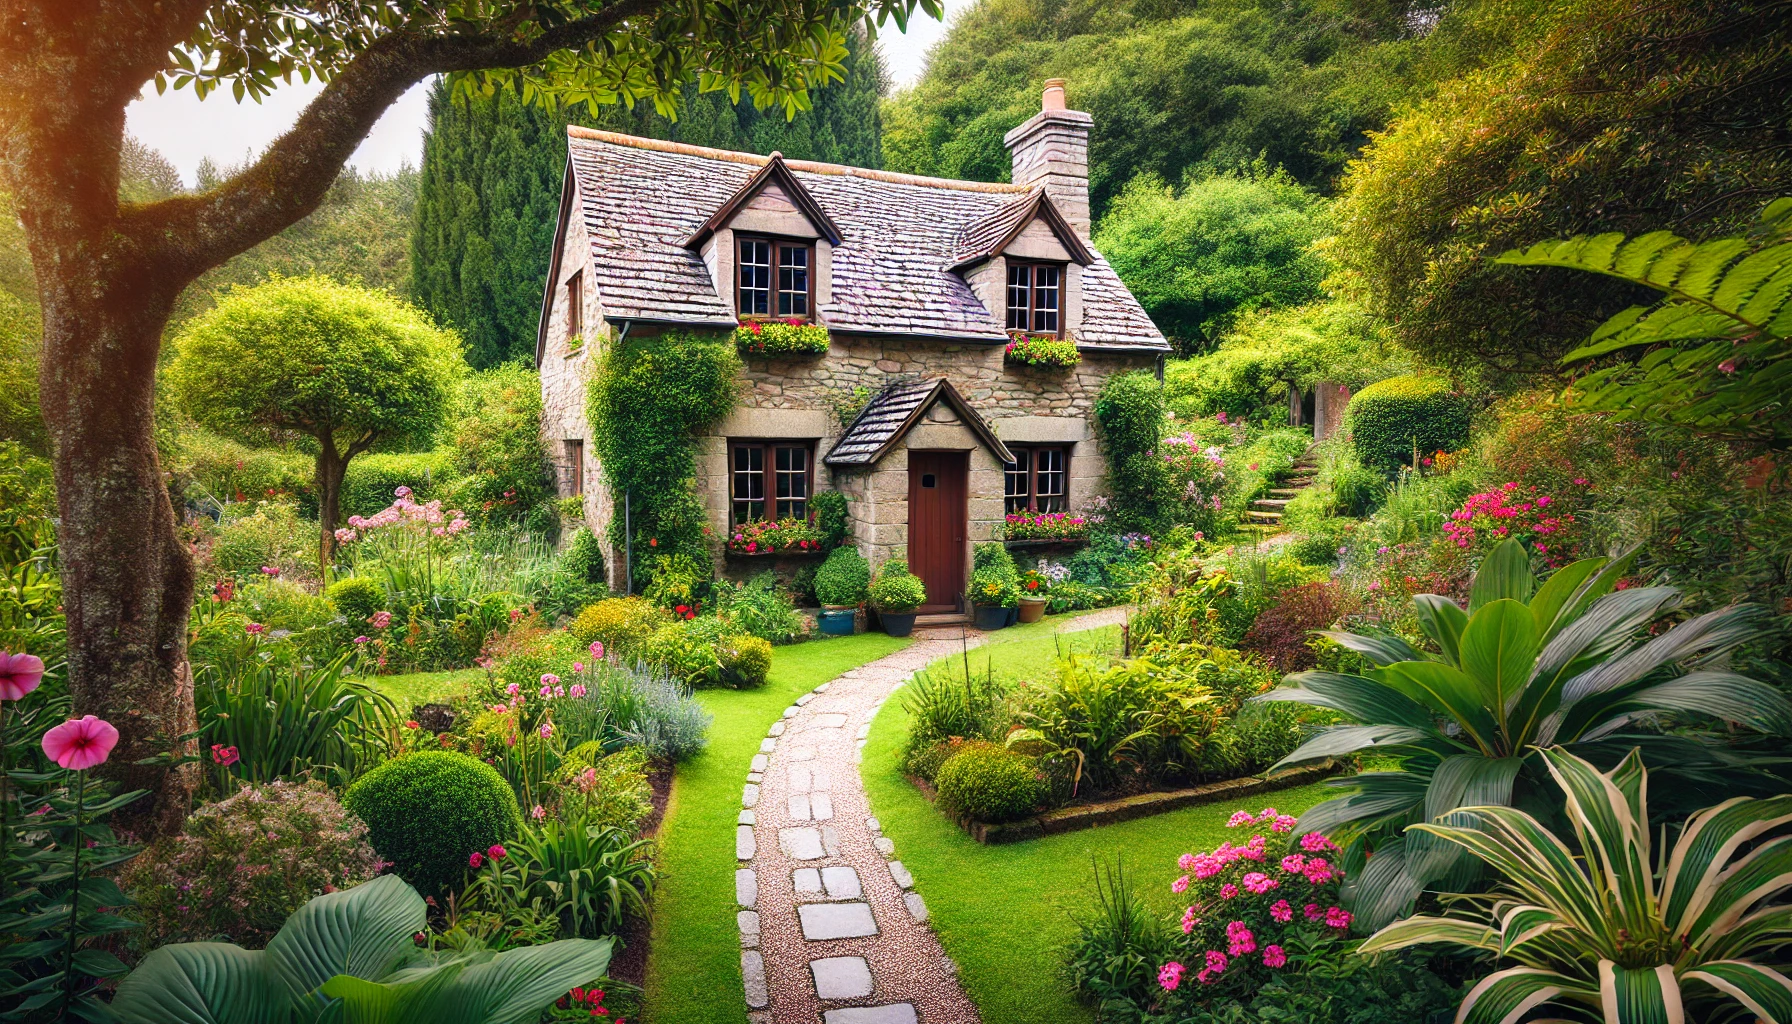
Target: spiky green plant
1570	662
1621	932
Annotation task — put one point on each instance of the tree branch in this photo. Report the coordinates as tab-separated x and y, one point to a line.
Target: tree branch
292	177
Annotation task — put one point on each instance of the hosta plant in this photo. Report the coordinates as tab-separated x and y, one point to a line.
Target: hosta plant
352	957
1569	663
1610	928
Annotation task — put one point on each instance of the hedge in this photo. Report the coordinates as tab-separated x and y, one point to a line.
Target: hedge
1387	419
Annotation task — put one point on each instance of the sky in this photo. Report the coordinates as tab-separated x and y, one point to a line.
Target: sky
187	130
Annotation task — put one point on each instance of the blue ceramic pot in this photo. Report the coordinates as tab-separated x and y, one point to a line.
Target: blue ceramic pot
836	621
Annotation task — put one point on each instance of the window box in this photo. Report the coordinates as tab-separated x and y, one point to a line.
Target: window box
790	536
1041	351
774	338
1046	526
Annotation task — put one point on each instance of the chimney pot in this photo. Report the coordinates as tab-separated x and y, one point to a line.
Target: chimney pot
1053	99
1052	150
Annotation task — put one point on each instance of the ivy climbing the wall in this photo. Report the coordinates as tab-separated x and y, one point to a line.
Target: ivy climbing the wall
1130	412
649	400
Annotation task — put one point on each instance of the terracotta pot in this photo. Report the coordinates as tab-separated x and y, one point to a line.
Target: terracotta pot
1031	609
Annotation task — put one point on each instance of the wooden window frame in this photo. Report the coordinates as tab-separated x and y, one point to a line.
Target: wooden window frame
1032	267
575	305
769	446
778	246
575	461
1031	452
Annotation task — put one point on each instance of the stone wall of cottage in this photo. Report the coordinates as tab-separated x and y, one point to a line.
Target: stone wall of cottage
564	369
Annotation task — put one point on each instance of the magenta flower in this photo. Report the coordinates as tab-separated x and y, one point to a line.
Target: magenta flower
547	729
597	649
1240	819
1228	891
1186	862
1313	842
1239	939
513	688
1313	912
1318	872
1189	920
270	570
1170	975
1285	823
380	620
1179	885
1216	965
549	679
578	666
1274	956
405	492
497	852
1337	917
224	756
538	812
578	690
19	675
1294	864
1258	883
1281	911
255	628
363	639
475	859
80	743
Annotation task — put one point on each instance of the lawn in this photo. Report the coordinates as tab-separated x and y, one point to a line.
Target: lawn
416	688
693	970
1004	913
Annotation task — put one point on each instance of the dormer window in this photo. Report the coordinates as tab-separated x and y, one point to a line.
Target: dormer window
775	278
1034	297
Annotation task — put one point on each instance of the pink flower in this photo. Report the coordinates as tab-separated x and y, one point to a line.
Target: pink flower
270	570
1240	819
1239	939
497	852
513	688
538	812
1282	911
578	666
1258	883
1274	956
1186	862
1170	975
1313	912
255	628
1727	366
1318	872
19	675
1189	920
597	649
344	536
549	679
1294	863
547	729
1268	814
1228	891
1313	842
223	755
546	690
475	859
1337	917
405	492
80	743
1179	885
1216	965
578	690
363	639
380	620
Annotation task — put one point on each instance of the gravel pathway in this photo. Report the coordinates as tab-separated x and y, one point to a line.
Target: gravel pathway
832	928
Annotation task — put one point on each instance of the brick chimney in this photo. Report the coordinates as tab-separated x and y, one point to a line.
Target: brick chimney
1052	148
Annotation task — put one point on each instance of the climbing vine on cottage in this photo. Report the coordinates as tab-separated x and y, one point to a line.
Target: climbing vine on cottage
648	402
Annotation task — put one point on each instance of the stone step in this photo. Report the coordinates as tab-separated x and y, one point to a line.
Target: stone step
1275	504
1285	492
943	619
1264	517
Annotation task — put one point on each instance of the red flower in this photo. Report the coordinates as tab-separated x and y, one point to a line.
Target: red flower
681	609
653	542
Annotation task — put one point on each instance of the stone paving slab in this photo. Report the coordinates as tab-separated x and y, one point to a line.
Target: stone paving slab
895	1013
841	977
822	921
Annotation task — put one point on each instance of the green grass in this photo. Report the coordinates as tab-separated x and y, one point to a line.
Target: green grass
1005	913
416	688
693	970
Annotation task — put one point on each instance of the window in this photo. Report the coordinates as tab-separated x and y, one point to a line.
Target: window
575	305
1038	480
575	468
1033	297
787	293
790	466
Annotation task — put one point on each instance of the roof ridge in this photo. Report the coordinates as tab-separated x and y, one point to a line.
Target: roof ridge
810	166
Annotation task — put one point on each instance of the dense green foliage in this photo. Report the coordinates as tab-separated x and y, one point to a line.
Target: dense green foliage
989	783
427	811
896	589
1225	245
648	400
843	577
1585	116
1130	413
494	437
1391	419
492	168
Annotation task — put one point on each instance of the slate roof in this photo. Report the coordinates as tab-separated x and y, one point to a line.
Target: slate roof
897	407
641	200
982	239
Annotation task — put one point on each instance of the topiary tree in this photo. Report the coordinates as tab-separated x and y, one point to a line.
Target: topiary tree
342	365
427	812
842	579
990	783
1390	419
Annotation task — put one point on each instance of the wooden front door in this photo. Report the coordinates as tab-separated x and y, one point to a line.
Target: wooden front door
938	518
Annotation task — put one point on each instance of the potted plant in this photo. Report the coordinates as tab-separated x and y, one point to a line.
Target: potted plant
991	593
840	585
1034	586
896	593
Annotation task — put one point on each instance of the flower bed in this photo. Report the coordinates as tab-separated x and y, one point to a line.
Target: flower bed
1041	350
780	338
1544	520
1046	526
789	536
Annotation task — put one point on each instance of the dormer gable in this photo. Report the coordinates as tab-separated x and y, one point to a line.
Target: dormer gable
1028	228
772	201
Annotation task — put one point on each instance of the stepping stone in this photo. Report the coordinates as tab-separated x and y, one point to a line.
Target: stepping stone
748	923
830	720
801	843
807	881
842	883
804	699
746	818
823	688
821	806
841	977
749	795
916	908
760	761
777	728
796	754
800	780
822	921
822	780
744	846
746	888
799	807
766	746
901	875
830	840
752	972
886	846
895	1013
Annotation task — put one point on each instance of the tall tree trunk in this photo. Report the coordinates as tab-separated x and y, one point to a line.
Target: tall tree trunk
331	468
127	572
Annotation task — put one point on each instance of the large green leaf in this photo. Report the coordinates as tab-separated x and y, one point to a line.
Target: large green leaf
1639	995
1762	989
1506	997
1468	780
1499	647
1377	796
1758	874
1612	823
1348	739
517	984
414	996
1537	865
1703	851
1713	633
203	983
1504	574
1723	695
1416	931
1379	649
1385	888
1442	620
1608	626
1557	593
1451	692
1369	701
362	932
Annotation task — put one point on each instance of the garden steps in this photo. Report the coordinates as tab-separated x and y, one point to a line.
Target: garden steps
942	619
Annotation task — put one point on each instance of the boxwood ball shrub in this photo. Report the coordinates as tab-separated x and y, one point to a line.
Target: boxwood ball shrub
990	783
843	578
897	590
427	811
1387	418
357	598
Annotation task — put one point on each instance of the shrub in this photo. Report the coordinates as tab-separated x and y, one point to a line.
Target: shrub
270	534
496	443
676	581
232	471
759	607
1130	412
1141	720
829	509
584	558
242	865
1282	634
746	661
896	589
995	580
842	579
1389	418
621	624
425	812
943	703
357	598
989	783
706	652
370	480
646	708
605	791
923	759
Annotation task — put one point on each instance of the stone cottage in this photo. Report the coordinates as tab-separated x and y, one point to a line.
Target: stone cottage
920	283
